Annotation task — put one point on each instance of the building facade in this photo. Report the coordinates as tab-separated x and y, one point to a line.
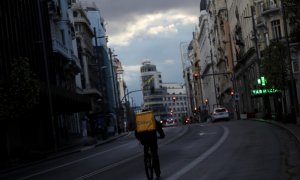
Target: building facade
175	100
38	33
234	39
163	98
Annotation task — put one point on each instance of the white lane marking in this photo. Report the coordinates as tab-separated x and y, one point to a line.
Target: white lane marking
208	133
94	173
183	130
107	167
69	163
203	156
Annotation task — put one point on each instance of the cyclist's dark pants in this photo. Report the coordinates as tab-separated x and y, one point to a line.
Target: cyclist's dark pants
153	147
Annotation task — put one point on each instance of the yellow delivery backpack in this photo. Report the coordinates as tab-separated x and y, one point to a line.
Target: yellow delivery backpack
145	121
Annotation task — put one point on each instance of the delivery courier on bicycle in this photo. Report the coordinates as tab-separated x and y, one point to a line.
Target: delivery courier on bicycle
146	132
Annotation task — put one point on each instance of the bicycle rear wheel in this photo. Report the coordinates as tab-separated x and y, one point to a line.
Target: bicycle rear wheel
148	160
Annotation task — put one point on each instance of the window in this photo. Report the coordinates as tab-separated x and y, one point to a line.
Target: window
276	31
62	32
75	13
296	66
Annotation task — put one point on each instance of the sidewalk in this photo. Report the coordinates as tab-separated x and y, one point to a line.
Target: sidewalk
293	129
78	145
83	144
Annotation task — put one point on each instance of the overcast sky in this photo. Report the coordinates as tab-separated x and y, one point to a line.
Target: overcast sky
149	29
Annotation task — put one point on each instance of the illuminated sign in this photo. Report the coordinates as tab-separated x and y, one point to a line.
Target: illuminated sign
264	91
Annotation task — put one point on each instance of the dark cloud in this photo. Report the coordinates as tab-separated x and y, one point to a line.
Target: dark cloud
159	48
114	9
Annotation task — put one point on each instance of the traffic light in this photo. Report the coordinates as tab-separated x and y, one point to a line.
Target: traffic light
232	93
174	98
195	109
196	75
206	101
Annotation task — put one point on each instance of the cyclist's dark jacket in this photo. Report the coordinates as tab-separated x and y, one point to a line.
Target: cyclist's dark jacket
150	137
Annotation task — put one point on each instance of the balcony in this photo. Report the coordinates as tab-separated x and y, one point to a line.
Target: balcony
61	49
90	91
75	60
206	68
269	8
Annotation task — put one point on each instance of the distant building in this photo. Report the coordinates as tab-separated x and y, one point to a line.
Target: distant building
175	100
162	98
152	89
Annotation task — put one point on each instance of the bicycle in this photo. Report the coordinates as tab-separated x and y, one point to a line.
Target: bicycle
148	161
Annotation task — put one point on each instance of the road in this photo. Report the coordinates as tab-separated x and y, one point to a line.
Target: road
245	150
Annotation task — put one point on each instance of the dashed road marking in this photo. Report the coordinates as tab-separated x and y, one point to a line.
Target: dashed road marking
203	156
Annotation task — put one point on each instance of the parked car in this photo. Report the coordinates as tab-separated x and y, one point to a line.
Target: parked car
220	113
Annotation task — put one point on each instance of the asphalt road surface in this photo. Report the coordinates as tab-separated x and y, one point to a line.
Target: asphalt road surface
234	150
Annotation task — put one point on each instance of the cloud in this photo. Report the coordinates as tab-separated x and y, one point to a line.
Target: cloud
169	61
162	29
155	24
131	73
132	68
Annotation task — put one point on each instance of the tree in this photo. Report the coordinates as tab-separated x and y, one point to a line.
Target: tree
274	65
21	93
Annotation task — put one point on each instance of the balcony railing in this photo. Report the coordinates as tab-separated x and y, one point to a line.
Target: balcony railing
270	8
60	48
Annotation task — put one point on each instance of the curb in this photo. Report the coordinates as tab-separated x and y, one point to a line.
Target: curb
111	139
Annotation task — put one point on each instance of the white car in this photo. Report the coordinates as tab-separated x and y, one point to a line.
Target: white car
220	113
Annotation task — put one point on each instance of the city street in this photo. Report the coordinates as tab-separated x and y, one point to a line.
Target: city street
225	150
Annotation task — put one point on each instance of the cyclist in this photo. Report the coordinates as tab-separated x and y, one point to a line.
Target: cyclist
149	139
